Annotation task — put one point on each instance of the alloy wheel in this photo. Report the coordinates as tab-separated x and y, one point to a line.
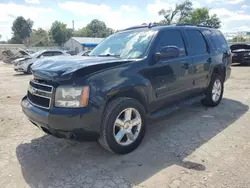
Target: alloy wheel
127	126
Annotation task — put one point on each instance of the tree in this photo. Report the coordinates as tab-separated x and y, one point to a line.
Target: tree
60	33
239	39
95	28
39	37
80	33
21	29
180	12
200	16
2	42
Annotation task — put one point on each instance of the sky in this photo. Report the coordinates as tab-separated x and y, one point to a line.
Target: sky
117	14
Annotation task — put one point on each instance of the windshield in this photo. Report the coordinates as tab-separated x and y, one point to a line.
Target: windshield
127	45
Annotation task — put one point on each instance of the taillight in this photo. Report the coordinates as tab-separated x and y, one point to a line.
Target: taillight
230	57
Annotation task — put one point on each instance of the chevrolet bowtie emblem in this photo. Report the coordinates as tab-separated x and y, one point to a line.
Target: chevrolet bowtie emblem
32	90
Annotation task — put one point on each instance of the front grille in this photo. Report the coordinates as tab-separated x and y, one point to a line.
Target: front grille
41	86
40	94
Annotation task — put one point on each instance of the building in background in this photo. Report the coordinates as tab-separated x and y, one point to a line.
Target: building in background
78	44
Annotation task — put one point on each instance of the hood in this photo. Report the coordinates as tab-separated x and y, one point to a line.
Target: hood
19	59
23	52
63	67
240	47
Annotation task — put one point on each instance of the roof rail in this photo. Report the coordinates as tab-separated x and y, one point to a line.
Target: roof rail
144	25
186	24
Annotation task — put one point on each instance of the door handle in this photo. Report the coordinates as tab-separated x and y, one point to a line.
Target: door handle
185	66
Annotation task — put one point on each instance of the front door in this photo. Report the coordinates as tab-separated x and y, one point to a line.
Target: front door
171	78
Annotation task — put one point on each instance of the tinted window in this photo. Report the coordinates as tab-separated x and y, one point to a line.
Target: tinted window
196	42
127	45
171	38
47	54
57	53
218	40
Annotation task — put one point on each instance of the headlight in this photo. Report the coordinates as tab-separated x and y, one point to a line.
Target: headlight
72	97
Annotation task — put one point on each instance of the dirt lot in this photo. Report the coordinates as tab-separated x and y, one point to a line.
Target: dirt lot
194	147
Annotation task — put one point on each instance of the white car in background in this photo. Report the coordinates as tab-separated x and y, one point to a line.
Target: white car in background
24	64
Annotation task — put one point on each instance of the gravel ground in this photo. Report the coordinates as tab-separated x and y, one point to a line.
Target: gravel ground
193	147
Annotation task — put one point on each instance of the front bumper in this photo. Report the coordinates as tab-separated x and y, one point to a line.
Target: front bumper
19	68
80	124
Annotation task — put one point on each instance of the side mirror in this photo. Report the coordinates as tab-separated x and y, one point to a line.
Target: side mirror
168	52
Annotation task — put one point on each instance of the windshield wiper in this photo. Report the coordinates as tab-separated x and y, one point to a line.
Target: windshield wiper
109	55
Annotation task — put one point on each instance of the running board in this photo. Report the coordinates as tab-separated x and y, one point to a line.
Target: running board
173	108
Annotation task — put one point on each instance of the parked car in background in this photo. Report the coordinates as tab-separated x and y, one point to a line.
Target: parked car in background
138	73
10	56
24	64
30	51
84	53
241	53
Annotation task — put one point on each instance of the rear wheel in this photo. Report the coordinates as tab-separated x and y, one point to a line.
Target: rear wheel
123	125
214	91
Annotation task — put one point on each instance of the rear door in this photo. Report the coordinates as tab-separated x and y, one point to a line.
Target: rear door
198	49
171	78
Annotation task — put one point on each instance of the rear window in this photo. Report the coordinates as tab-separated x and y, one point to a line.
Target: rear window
196	42
218	40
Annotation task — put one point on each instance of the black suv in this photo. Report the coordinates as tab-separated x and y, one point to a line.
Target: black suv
241	53
138	73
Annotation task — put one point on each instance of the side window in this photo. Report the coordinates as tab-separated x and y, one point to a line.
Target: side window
196	42
47	54
57	53
171	38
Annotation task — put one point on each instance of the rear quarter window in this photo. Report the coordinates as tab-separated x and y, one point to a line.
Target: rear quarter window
218	40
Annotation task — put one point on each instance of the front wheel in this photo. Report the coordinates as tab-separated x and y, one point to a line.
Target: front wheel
123	125
214	91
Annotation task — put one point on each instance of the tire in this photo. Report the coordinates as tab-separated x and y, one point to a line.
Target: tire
210	100
29	69
114	110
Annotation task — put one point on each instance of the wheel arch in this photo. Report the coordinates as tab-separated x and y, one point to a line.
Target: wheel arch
221	70
137	93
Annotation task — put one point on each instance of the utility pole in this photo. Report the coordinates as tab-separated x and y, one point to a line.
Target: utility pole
73	25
